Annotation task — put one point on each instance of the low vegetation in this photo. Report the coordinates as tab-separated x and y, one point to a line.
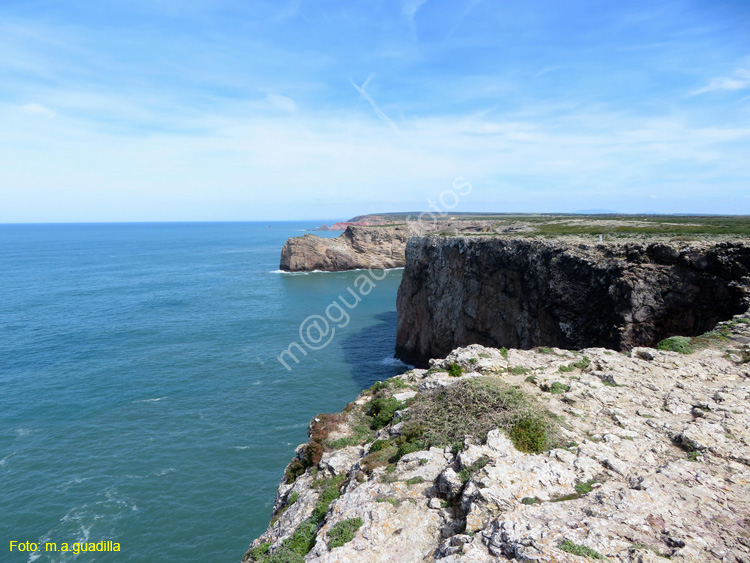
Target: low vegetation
680	344
443	417
455	370
343	532
581	550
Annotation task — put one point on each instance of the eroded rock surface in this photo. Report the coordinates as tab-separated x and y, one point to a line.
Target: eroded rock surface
357	247
522	292
653	462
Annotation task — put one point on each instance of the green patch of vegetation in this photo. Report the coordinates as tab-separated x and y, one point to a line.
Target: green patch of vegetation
455	370
530	500
294	549
379	445
443	417
581	550
260	551
545	350
503	352
556	388
473	361
343	532
517	370
531	434
381	410
414	481
389	500
531	379
581	364
468	472
681	344
585	487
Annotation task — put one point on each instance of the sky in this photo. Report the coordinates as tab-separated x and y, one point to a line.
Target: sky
223	110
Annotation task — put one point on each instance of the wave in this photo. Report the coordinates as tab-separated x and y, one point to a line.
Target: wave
156	400
333	271
391	361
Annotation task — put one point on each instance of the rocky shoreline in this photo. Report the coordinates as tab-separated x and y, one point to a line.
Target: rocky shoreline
643	457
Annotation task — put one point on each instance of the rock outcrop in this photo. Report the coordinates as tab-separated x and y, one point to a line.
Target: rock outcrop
651	463
525	292
357	247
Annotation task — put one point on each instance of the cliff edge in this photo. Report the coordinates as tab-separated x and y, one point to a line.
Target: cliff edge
565	292
540	455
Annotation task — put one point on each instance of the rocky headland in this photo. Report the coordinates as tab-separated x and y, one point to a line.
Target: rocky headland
543	455
357	247
567	292
591	403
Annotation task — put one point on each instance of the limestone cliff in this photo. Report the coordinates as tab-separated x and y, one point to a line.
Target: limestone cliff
563	457
357	247
525	292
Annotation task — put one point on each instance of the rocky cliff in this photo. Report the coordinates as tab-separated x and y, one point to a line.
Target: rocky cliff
357	247
525	292
533	456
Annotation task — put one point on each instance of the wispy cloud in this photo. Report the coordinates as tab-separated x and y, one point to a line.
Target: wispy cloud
410	9
227	110
375	107
739	80
37	109
282	102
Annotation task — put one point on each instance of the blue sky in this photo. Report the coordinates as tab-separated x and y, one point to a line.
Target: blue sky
134	110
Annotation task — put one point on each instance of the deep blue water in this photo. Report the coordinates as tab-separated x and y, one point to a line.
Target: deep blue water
141	400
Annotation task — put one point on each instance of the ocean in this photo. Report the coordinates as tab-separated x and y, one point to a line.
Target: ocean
141	398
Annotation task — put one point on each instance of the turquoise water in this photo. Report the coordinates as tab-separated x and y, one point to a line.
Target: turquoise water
141	400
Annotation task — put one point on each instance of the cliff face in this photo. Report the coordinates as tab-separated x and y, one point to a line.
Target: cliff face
523	293
357	247
642	457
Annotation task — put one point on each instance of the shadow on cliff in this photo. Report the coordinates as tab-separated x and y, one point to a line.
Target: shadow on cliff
369	351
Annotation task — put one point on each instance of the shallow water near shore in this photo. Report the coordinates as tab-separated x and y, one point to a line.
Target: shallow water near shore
141	396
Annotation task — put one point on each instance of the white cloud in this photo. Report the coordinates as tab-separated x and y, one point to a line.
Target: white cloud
282	102
410	9
740	80
37	109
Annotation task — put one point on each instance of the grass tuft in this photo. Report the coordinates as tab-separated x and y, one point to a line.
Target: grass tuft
343	532
680	344
577	549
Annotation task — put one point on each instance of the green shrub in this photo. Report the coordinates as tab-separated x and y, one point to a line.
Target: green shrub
503	352
681	344
556	388
530	500
455	370
415	481
382	410
576	549
343	532
378	445
583	363
518	370
530	434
